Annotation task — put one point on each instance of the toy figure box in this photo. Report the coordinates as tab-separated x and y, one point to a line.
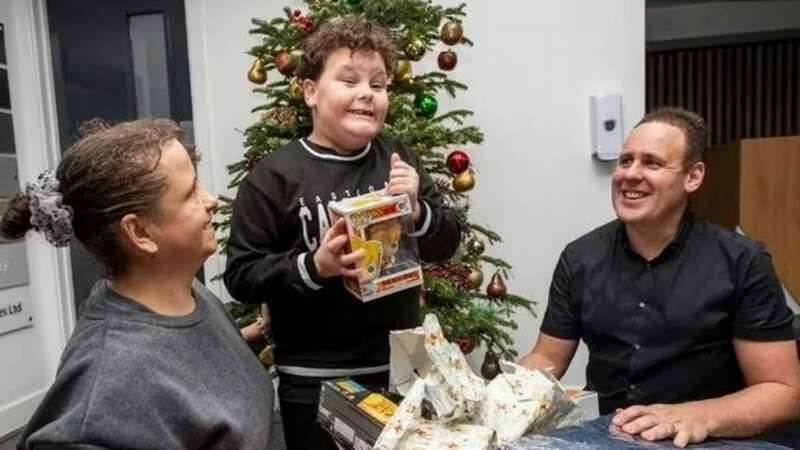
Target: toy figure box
380	224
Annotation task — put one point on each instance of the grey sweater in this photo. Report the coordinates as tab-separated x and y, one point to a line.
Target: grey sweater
133	379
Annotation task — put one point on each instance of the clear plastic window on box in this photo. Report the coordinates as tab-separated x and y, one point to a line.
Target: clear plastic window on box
381	224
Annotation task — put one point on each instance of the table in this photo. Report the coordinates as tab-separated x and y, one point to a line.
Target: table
598	434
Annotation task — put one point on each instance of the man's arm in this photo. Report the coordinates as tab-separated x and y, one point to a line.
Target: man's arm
551	353
560	331
767	356
771	398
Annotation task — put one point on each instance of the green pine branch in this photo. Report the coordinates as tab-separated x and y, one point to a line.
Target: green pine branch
282	117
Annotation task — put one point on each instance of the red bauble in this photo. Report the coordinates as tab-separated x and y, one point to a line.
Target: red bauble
285	63
466	344
457	162
496	288
447	60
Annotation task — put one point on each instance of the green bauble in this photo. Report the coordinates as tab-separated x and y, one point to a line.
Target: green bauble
426	105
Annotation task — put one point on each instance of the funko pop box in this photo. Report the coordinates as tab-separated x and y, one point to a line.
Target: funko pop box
381	224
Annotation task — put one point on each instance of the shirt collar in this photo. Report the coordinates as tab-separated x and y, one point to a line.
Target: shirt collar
322	152
677	242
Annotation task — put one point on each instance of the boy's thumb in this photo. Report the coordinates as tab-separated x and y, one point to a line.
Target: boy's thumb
395	158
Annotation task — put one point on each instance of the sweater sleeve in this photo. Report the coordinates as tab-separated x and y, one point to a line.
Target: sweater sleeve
259	264
59	420
79	414
438	229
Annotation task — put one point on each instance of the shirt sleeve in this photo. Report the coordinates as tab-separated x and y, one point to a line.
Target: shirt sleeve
258	267
763	314
561	318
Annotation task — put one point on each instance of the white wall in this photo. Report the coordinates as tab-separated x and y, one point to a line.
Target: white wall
221	95
29	357
530	73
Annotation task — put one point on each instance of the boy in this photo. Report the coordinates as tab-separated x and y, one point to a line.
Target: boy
284	251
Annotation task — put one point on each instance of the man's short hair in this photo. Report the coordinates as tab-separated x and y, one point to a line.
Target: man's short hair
690	123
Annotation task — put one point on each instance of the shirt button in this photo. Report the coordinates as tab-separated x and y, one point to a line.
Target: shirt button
642	304
632	387
637	347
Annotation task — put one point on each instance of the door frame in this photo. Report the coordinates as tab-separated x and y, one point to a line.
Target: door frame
38	149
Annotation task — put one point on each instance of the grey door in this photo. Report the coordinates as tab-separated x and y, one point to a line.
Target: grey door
118	60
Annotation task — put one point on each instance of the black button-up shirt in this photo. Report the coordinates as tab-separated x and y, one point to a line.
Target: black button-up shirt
661	331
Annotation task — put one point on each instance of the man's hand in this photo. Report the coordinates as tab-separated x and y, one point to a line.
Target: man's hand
329	258
683	423
404	179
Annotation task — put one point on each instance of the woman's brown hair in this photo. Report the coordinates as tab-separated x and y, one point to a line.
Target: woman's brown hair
108	173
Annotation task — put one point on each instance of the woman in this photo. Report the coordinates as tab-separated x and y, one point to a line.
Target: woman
155	361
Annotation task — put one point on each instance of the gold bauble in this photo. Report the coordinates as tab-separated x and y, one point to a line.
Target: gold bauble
402	70
258	72
476	247
475	278
491	365
415	50
452	32
296	89
464	181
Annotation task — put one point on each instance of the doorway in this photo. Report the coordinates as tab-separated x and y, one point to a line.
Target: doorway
118	61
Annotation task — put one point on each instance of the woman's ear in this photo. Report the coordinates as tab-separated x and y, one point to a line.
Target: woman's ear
135	232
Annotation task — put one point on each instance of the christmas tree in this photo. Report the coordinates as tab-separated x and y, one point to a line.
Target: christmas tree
452	290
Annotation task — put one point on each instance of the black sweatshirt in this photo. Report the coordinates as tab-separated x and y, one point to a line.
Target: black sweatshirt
279	217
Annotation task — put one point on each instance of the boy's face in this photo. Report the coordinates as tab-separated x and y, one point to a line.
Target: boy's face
349	100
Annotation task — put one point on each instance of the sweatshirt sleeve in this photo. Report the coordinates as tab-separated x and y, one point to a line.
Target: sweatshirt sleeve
78	414
438	229
59	420
260	265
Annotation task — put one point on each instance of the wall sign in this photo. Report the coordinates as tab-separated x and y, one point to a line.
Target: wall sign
14	310
9	183
13	265
14	305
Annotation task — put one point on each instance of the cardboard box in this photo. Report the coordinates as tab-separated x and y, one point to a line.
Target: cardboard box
352	414
380	224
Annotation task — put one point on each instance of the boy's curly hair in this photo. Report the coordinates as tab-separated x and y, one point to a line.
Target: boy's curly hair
355	33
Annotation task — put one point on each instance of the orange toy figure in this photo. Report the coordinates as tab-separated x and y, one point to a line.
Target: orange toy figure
388	233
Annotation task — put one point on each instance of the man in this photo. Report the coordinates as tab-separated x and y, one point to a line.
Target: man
688	331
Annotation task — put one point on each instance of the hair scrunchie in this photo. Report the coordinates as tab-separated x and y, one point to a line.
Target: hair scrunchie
49	215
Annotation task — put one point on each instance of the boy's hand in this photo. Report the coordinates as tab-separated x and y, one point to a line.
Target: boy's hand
329	259
254	331
403	179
